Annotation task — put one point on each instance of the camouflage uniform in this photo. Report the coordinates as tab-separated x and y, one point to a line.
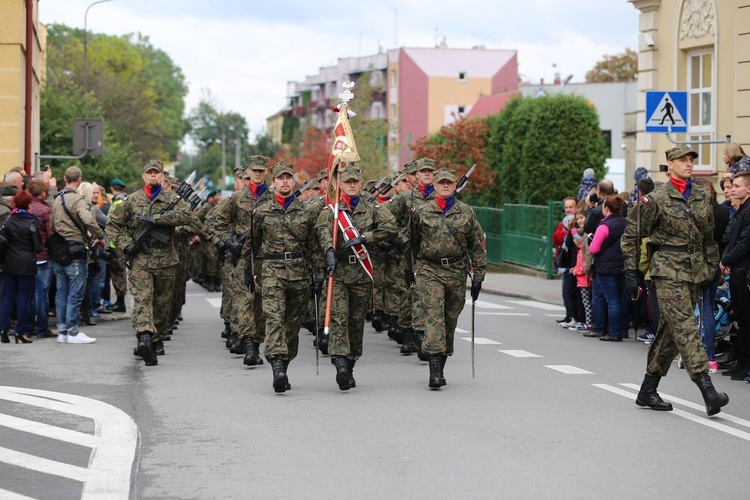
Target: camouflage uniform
684	256
152	275
352	286
444	245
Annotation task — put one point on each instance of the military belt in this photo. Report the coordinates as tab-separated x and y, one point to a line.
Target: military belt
678	248
282	256
445	261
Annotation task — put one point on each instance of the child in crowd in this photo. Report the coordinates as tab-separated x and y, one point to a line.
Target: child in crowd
583	280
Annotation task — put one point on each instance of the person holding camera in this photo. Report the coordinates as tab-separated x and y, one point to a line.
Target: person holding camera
72	219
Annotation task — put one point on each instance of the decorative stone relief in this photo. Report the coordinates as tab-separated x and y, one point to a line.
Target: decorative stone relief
697	19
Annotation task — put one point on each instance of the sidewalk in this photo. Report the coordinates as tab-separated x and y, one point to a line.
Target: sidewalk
525	287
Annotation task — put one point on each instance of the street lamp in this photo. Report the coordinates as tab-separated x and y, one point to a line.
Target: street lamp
86	44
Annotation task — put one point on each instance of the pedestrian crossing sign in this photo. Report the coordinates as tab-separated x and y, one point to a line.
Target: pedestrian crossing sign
666	111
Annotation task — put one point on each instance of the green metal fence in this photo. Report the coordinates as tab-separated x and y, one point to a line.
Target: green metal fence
521	234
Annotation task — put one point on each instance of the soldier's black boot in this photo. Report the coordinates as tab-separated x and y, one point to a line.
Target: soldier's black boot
322	342
280	379
144	349
343	377
377	320
648	396
227	331
252	356
286	370
309	323
392	326
714	400
159	348
231	340
407	346
418	338
443	359
217	283
351	362
118	306
435	382
398	336
238	347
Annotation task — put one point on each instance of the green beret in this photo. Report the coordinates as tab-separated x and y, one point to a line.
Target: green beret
117	182
213	193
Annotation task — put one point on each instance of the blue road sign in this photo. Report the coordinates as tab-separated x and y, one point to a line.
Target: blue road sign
666	111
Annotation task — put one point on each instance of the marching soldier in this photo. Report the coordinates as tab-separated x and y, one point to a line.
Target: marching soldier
366	224
210	270
411	326
679	220
117	269
447	241
153	271
230	228
283	236
395	287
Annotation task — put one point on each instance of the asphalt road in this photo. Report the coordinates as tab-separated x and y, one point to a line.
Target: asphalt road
550	414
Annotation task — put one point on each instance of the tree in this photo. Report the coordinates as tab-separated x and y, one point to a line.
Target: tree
616	68
459	146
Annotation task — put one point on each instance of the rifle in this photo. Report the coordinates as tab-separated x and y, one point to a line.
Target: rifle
382	182
385	189
465	179
411	235
307	186
140	241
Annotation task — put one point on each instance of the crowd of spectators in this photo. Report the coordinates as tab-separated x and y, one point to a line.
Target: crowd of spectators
29	291
589	260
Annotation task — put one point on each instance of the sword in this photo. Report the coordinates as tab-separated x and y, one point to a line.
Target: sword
317	332
473	311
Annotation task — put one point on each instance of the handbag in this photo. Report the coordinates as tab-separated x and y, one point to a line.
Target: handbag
3	239
59	250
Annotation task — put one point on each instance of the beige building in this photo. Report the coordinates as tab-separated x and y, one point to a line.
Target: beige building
14	149
701	47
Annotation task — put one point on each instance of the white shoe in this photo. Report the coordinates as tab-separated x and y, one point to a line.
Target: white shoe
81	338
62	338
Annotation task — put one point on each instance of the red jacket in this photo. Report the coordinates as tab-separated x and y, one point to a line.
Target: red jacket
44	215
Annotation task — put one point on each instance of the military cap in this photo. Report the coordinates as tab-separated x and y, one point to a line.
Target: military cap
153	165
117	183
350	172
323	174
425	164
257	162
10	190
369	184
679	151
238	170
444	174
243	173
280	168
410	167
213	193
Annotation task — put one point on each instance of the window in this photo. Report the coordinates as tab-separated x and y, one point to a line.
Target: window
394	77
461	110
700	82
462	76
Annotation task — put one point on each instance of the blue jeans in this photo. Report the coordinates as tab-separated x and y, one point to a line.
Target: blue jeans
71	285
95	285
706	302
43	282
610	301
21	288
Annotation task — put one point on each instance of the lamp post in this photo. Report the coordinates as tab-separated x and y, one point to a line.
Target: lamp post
223	159
86	44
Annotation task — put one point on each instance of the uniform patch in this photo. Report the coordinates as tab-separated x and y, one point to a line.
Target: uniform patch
645	200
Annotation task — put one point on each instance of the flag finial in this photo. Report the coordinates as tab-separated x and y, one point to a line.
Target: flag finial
347	94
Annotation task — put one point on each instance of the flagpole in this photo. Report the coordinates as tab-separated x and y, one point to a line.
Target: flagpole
335	231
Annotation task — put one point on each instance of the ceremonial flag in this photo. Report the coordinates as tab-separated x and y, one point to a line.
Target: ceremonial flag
343	148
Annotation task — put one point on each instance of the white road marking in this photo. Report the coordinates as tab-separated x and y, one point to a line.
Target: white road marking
195	295
482	340
694	406
9	495
570	370
49	431
556	315
111	460
520	354
486	305
502	314
538	305
708	422
215	302
459	330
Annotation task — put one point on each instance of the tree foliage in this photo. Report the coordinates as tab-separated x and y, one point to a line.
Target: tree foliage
459	146
617	68
539	148
134	87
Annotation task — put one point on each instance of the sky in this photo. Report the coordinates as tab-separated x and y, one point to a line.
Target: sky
245	51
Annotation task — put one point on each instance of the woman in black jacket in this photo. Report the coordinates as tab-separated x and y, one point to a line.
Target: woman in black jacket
19	268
